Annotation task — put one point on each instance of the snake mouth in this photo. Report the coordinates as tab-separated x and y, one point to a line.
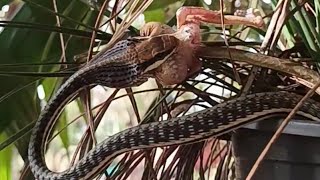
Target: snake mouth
157	60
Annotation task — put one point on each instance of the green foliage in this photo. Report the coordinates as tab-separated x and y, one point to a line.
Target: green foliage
5	2
5	159
19	46
157	15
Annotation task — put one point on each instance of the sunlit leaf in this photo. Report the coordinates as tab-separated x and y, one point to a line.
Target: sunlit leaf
5	159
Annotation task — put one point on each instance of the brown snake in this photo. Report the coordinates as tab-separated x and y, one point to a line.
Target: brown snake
198	126
130	63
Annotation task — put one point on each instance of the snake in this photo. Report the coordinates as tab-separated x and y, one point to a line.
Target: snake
129	63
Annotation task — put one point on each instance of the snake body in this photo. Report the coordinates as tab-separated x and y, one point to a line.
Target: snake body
128	64
198	126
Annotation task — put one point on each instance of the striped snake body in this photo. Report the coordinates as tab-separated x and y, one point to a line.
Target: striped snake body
129	63
198	126
123	66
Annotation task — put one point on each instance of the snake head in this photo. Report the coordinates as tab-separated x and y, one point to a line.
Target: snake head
155	50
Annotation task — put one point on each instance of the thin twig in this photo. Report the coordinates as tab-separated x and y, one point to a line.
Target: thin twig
87	104
96	26
133	103
279	131
236	74
60	34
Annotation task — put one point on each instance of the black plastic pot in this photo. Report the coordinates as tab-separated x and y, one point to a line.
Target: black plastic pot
294	156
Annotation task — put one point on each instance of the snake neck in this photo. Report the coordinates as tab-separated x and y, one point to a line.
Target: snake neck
115	75
46	122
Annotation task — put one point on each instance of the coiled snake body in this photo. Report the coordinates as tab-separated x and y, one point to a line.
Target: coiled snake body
124	66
